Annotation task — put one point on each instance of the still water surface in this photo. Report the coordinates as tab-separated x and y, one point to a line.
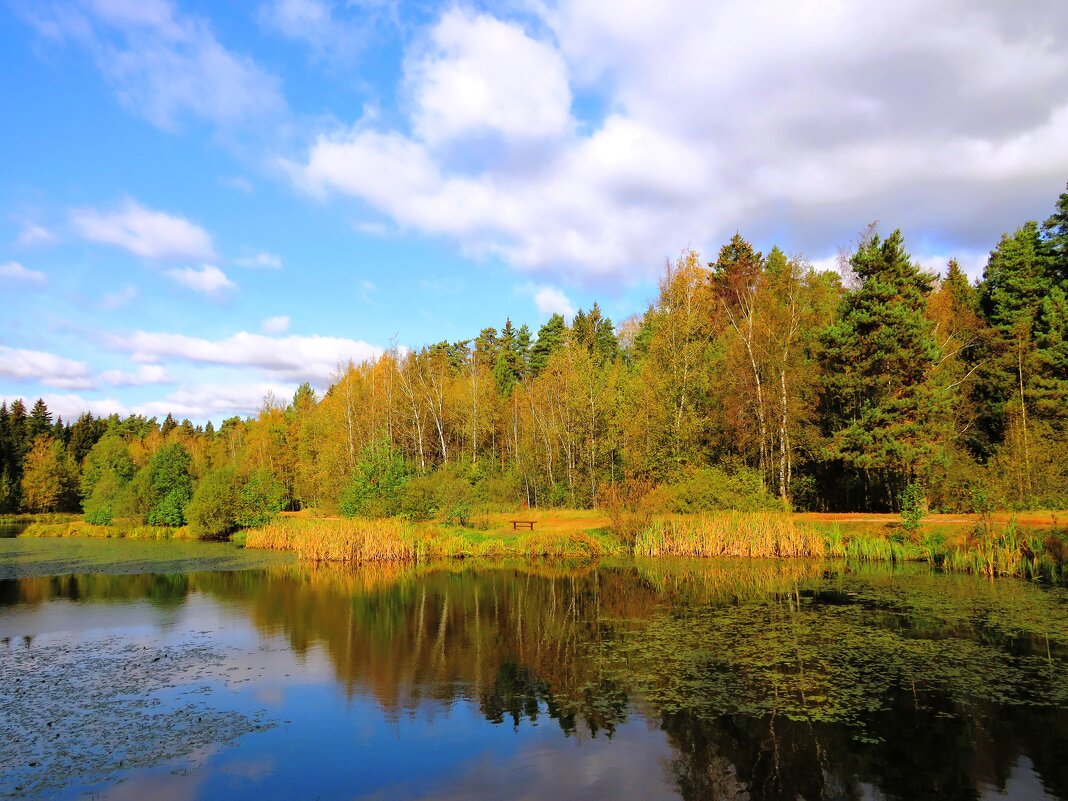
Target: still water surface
697	680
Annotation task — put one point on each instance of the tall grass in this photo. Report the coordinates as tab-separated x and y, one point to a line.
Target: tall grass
745	534
129	531
348	540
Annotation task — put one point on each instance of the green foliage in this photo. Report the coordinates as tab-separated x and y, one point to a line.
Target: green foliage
550	339
913	503
259	499
169	487
376	486
212	510
101	505
884	414
108	457
714	488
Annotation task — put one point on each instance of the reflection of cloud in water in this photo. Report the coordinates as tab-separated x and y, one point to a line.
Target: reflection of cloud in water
630	765
249	768
178	781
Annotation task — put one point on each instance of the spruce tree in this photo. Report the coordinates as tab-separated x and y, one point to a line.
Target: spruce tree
883	414
550	339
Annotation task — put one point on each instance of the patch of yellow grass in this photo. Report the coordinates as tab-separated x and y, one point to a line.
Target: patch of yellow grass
746	534
337	540
79	528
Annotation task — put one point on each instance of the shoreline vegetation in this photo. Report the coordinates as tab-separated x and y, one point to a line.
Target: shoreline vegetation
1028	545
753	400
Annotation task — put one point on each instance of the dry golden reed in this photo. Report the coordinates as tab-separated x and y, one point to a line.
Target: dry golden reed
746	534
337	540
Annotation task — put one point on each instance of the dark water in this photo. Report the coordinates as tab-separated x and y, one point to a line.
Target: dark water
655	680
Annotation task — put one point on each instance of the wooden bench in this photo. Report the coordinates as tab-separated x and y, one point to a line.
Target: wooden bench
517	523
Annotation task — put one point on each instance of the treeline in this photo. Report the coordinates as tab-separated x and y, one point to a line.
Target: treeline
752	381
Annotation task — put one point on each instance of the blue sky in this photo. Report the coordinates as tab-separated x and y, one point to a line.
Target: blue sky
200	202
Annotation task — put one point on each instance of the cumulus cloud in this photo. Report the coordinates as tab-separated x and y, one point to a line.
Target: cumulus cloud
197	403
204	401
549	300
32	234
262	261
844	113
144	375
14	272
275	325
335	31
71	405
164	65
47	369
145	232
293	358
477	74
119	298
207	280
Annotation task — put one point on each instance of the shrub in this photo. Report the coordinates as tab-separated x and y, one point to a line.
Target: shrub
100	506
259	499
913	508
211	512
376	485
709	489
629	506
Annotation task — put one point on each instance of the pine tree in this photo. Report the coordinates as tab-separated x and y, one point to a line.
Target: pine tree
40	421
550	339
885	417
168	425
509	365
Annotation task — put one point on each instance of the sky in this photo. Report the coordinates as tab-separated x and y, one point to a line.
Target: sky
204	202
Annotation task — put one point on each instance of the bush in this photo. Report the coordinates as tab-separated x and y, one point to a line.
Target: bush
100	506
259	499
913	508
212	510
376	485
629	505
164	486
709	489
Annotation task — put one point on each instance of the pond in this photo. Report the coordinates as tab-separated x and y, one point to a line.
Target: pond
653	680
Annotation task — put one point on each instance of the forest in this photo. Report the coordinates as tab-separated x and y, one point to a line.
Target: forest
753	381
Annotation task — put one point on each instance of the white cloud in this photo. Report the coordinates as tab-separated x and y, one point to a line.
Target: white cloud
47	369
477	74
164	65
145	232
206	279
204	401
275	325
293	358
71	405
32	234
265	261
197	403
145	375
332	30
240	183
119	298
13	271
549	300
844	113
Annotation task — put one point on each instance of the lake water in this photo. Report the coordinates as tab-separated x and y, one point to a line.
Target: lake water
654	680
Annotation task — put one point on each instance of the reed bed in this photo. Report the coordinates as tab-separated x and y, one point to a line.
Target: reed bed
739	534
354	540
131	531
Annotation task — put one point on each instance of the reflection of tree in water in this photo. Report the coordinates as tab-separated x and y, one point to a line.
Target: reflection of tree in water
513	641
772	681
164	590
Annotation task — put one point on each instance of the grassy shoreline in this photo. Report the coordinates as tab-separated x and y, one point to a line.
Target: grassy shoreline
1031	545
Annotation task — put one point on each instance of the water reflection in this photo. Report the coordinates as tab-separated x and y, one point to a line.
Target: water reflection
764	680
